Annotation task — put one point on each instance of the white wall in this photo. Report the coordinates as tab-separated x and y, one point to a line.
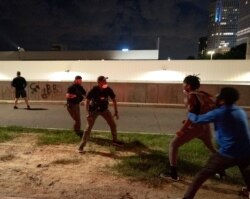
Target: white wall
210	71
81	55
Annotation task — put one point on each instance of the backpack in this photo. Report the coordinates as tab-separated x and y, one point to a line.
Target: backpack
206	102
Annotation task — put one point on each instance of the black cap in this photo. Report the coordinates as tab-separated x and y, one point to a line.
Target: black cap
78	77
101	78
229	95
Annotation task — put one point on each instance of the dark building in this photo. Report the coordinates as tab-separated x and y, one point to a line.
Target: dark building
223	22
243	33
202	48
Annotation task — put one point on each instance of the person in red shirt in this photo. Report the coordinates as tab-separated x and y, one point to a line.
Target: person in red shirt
188	131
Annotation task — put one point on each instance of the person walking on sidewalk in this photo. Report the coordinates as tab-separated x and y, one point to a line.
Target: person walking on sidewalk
19	83
75	96
188	131
233	137
97	104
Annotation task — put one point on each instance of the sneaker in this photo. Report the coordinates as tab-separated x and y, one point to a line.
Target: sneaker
15	107
81	151
28	107
118	143
245	192
168	176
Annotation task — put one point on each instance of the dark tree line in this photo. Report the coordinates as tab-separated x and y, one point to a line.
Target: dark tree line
238	52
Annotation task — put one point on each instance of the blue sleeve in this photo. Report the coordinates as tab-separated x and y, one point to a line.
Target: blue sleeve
204	118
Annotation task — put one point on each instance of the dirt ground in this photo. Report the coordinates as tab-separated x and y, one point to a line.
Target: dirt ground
31	171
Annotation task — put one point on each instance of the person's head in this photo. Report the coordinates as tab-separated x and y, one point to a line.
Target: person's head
18	73
191	83
102	81
227	96
78	79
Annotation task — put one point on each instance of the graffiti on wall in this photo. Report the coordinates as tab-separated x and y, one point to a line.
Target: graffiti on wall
34	88
50	89
46	90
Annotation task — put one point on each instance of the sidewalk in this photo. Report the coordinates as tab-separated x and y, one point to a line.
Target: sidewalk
133	118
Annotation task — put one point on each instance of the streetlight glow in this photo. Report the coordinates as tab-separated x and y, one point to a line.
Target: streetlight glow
20	49
211	52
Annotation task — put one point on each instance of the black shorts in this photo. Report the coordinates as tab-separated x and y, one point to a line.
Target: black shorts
21	93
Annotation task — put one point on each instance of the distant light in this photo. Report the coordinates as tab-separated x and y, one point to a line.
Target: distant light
211	52
20	49
125	49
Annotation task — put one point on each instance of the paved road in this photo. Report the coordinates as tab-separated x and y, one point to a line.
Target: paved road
132	119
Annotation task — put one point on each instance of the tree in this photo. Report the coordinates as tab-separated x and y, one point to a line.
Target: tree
190	57
238	52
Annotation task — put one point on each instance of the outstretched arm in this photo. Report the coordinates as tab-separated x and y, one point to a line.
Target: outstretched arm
204	118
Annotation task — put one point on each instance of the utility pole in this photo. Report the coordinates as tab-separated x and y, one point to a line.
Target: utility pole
158	45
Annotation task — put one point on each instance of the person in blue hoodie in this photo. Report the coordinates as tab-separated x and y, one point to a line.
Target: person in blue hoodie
233	137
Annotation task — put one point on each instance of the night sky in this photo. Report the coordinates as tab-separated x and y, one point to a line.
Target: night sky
104	25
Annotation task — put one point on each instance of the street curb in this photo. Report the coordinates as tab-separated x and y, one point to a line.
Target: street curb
129	104
125	104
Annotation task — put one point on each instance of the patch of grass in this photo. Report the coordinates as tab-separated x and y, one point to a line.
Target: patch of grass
150	152
57	137
46	137
6	136
18	129
146	166
143	167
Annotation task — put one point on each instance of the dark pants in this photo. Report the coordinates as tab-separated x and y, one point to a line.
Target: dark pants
74	111
91	121
21	93
215	164
200	131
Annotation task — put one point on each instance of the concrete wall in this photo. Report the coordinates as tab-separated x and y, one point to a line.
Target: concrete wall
210	72
133	81
80	55
126	92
